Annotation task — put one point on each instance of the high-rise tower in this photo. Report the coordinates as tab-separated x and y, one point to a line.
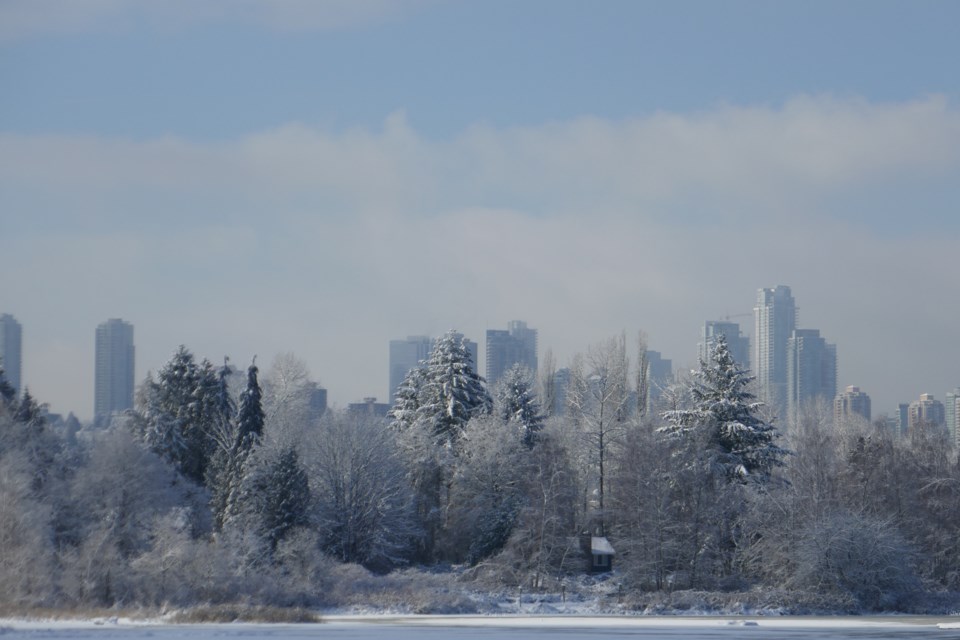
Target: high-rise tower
927	412
518	344
811	369
739	345
951	409
11	343
852	402
775	318
113	378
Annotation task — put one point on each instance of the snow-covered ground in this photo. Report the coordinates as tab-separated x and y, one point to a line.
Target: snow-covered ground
487	627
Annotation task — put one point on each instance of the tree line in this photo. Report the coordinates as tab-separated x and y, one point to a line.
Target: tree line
224	486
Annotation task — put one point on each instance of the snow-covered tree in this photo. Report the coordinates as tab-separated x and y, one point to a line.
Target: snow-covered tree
180	413
287	396
276	496
250	415
516	402
721	447
407	400
724	424
487	491
597	404
228	467
27	564
29	412
7	392
364	507
433	406
452	392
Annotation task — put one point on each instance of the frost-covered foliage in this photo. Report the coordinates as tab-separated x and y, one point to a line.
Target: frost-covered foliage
724	424
434	405
7	392
858	556
363	506
96	517
517	402
275	497
27	560
451	391
537	552
180	413
487	491
406	404
228	468
287	399
598	409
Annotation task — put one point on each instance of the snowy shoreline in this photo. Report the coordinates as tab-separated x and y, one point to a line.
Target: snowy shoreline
510	620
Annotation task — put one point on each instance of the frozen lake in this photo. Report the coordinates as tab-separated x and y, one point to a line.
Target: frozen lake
521	628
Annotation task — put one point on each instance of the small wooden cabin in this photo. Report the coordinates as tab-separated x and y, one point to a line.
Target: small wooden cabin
599	553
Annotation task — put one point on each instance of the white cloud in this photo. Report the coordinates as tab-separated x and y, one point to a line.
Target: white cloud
330	244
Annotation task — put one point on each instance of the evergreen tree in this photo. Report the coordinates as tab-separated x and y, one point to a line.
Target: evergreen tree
516	402
225	405
433	407
277	497
7	393
250	416
452	392
734	442
407	401
180	413
29	412
230	465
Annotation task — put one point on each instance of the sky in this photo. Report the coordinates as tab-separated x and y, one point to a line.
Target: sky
251	178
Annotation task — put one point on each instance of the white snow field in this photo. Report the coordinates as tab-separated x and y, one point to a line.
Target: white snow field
489	627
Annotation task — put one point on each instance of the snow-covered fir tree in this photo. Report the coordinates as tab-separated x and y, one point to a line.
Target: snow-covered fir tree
250	416
179	413
724	422
407	400
7	392
451	392
516	402
229	464
29	411
277	496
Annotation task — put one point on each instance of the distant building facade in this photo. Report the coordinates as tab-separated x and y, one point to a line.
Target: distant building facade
926	412
852	402
739	345
560	385
11	350
316	400
659	376
775	318
114	369
903	419
516	345
951	411
369	407
811	369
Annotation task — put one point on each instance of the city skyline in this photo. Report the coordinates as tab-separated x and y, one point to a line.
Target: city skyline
403	354
322	178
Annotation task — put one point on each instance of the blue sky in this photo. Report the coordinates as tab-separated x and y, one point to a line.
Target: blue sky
255	177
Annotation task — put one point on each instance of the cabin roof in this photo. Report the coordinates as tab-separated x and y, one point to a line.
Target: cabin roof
600	546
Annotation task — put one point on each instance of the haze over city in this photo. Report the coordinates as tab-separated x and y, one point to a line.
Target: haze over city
252	178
